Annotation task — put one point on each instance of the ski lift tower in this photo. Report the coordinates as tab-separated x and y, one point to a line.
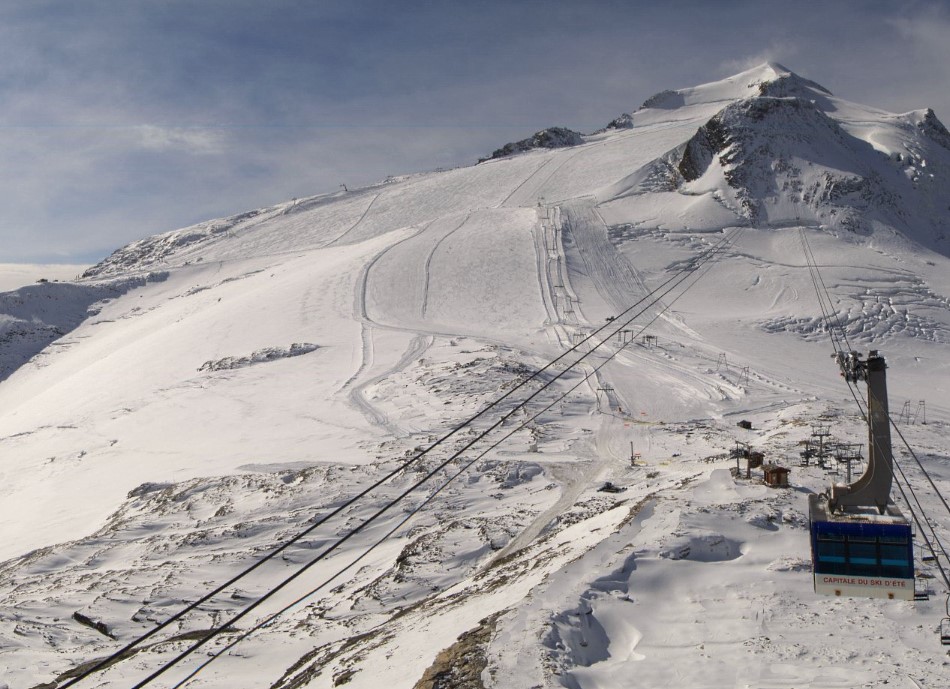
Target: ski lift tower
861	544
821	432
848	454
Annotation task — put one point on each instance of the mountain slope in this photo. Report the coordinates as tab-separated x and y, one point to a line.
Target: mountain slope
218	388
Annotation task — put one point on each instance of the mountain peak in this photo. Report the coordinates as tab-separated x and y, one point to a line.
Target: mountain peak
766	79
766	70
776	67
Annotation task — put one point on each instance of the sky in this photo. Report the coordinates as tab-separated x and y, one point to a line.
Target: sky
120	119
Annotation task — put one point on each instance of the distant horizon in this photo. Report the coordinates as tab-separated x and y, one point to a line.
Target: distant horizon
127	120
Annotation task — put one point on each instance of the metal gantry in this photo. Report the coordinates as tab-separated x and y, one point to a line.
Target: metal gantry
860	541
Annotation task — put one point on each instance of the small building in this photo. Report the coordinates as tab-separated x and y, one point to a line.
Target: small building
756	459
745	424
775	476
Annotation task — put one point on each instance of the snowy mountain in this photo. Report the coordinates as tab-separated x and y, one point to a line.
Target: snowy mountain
203	395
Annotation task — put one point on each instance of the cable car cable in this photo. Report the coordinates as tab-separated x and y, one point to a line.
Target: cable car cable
817	280
923	534
832	311
927	521
920	464
819	285
222	627
123	652
679	278
268	620
906	482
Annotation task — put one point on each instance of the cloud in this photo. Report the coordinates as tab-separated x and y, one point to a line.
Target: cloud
125	119
924	41
193	140
781	51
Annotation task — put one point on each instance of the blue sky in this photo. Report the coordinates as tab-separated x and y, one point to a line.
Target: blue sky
123	118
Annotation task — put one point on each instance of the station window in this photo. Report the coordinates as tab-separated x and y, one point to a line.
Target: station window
831	548
862	551
863	555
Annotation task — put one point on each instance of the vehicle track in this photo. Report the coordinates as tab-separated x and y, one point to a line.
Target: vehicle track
360	306
614	278
354	225
417	347
546	179
428	263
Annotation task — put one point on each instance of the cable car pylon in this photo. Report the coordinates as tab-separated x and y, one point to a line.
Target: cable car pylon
861	543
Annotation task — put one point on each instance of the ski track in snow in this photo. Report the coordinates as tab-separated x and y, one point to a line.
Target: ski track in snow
557	166
362	312
358	222
542	268
428	263
615	279
522	574
357	395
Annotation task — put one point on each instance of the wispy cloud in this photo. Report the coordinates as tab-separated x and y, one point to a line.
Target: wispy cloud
923	38
125	119
193	140
781	51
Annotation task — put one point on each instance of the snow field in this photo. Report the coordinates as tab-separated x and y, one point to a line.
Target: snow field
134	481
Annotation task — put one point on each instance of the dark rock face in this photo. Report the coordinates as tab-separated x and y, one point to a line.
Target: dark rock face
98	625
625	121
258	357
710	140
553	137
793	86
785	151
664	100
755	141
933	129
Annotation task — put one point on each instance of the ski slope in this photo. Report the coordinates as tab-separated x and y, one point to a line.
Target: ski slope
201	396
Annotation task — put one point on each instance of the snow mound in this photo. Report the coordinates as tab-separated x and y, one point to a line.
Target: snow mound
259	357
709	547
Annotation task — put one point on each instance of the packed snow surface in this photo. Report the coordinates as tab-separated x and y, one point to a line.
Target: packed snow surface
201	396
14	275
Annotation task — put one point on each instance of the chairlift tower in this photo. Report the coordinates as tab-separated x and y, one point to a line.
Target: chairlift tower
743	376
904	416
848	454
820	432
606	388
861	544
807	454
740	451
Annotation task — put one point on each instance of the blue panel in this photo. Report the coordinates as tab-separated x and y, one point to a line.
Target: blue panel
861	549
